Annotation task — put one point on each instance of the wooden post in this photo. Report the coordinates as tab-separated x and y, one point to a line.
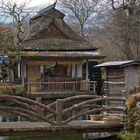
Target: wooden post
39	109
38	99
59	113
106	94
86	83
30	89
22	72
124	96
87	71
23	82
94	87
19	69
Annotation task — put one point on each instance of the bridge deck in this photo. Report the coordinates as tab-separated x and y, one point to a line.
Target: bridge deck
41	128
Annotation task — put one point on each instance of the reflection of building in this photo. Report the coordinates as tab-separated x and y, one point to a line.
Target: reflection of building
54	57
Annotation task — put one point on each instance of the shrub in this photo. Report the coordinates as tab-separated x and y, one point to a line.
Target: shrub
127	135
133	119
11	89
130	102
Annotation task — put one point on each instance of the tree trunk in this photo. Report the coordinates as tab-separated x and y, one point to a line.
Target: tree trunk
127	48
82	29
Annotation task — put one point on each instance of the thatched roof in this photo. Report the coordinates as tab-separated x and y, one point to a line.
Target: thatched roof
47	12
44	23
57	44
40	33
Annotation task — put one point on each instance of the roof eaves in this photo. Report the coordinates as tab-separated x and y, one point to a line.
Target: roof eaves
119	63
45	10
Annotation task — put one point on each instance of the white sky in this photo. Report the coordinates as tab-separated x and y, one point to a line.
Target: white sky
35	3
40	2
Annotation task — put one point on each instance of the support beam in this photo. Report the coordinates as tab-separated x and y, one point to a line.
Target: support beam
19	70
73	71
23	72
87	71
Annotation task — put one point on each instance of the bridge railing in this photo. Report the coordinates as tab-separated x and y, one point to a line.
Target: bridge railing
60	112
90	106
27	108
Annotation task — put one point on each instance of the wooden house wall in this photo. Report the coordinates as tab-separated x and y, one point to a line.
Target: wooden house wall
131	78
138	70
51	33
130	75
115	74
115	90
34	75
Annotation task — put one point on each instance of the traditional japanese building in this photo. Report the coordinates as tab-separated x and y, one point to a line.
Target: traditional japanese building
54	57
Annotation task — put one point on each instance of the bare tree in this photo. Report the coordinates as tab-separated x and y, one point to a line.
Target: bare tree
6	39
126	27
81	10
119	32
125	5
18	14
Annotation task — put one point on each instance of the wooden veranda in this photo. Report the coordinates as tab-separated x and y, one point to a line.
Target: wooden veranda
61	85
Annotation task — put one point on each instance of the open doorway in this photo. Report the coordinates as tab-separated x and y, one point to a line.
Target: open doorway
95	75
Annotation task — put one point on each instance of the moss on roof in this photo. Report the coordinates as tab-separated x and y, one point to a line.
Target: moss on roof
57	44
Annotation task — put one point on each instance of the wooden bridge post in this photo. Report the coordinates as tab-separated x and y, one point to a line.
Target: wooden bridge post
39	109
29	88
59	112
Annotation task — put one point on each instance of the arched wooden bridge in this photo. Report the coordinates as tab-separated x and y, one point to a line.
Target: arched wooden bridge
59	112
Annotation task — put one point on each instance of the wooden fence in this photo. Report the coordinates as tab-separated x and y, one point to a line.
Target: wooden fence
58	86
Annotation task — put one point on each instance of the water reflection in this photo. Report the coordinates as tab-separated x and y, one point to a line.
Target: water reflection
5	117
47	137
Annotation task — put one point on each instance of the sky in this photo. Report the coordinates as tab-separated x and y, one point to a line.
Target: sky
37	4
34	3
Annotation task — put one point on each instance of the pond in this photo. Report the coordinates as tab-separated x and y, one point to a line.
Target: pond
55	137
48	137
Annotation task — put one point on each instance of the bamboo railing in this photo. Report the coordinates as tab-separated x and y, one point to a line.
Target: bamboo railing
66	86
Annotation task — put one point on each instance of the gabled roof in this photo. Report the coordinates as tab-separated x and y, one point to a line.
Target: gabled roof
52	33
119	63
39	26
46	11
47	8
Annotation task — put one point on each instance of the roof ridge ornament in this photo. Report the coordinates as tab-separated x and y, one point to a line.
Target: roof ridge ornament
55	3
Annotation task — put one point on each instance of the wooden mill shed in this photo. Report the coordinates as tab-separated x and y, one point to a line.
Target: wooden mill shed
122	71
120	78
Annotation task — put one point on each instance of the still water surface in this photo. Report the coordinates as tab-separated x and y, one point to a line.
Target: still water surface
48	137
